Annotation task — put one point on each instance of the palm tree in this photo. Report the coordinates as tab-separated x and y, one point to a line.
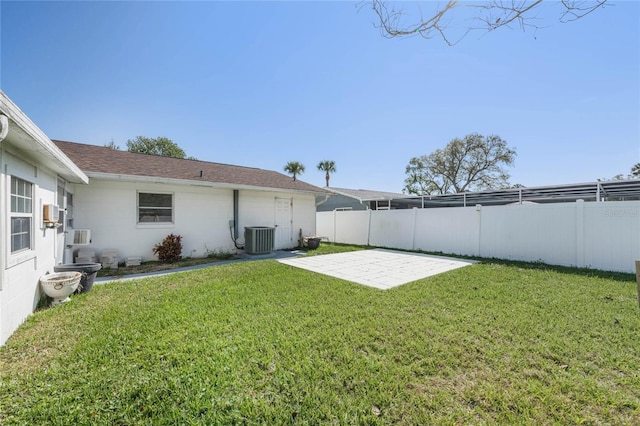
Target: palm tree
327	166
635	170
294	168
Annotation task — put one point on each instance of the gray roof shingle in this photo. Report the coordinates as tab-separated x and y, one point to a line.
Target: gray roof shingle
100	159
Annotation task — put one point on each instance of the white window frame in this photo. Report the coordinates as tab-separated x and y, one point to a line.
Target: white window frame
28	253
153	223
61	200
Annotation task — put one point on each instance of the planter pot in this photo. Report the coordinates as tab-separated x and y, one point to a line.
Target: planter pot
59	286
312	243
88	270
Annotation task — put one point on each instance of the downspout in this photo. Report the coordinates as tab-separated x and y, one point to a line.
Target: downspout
362	203
235	213
233	224
326	197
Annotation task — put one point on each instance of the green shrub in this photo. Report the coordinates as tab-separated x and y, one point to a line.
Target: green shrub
170	249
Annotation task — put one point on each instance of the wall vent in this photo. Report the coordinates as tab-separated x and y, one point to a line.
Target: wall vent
81	237
259	239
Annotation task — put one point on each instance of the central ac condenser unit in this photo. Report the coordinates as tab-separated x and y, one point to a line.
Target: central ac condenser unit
259	239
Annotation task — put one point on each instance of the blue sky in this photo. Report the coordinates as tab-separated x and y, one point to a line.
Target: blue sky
263	83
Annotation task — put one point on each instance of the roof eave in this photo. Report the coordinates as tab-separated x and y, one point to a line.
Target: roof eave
24	135
190	182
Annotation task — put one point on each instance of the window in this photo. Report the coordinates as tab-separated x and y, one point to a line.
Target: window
69	211
155	207
21	214
61	195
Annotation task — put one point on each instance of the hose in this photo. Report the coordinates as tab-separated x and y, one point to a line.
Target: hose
235	243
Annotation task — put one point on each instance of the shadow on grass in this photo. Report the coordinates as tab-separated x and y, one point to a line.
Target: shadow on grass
585	272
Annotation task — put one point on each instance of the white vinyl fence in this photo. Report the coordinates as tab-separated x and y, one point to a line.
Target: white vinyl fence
598	235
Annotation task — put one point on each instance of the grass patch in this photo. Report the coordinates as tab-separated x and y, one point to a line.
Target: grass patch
266	343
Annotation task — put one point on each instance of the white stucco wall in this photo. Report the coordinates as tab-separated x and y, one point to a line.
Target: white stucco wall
20	290
304	216
201	215
257	208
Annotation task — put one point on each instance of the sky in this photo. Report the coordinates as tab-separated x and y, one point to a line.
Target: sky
263	83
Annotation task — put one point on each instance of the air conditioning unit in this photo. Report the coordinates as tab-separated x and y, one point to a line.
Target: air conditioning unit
259	239
50	213
81	237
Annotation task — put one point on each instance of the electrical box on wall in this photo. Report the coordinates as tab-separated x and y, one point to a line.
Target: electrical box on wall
50	213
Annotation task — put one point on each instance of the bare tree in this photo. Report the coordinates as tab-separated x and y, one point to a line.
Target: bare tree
484	16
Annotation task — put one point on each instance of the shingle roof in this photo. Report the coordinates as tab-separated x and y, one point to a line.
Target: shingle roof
100	159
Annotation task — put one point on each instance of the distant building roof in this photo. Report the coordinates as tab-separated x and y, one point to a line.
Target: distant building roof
99	161
628	189
364	195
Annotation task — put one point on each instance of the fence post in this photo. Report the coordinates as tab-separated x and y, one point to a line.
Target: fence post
479	223
638	279
579	233
334	225
413	231
369	228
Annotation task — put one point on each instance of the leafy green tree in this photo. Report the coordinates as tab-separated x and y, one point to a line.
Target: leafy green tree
328	167
635	171
294	168
473	163
155	146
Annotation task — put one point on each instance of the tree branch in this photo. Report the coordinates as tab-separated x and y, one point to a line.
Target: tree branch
492	15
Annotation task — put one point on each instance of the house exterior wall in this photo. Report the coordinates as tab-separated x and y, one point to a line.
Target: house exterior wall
257	208
21	272
201	216
304	217
340	202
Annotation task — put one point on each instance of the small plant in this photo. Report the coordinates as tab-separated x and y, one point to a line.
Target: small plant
220	254
170	249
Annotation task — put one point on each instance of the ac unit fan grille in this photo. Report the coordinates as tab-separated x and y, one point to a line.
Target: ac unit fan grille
259	239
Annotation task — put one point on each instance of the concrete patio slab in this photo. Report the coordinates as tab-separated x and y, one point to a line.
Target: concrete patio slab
379	268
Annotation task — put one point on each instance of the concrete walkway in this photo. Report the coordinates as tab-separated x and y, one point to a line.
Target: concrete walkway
379	268
243	257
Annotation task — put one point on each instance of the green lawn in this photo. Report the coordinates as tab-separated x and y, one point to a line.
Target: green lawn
266	343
